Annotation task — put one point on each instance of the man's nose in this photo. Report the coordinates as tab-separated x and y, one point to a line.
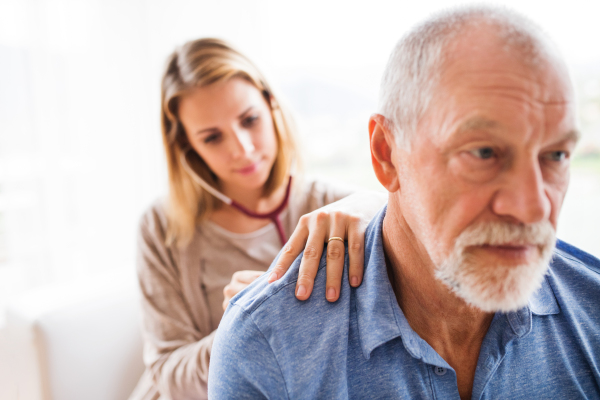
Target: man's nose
242	143
522	195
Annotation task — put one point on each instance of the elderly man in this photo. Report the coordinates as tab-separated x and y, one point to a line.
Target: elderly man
464	292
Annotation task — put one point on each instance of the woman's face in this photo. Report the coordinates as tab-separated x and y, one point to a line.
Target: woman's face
229	124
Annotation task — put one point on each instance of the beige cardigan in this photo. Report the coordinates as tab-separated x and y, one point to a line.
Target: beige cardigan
182	290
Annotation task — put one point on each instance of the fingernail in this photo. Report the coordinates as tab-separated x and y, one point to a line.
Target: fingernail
301	291
331	293
273	277
354	281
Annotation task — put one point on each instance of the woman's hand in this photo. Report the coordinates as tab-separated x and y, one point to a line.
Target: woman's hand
239	281
347	219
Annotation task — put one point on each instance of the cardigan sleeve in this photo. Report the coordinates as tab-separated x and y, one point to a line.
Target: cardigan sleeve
176	351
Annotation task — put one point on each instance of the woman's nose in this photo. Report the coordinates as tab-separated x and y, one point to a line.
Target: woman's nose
243	143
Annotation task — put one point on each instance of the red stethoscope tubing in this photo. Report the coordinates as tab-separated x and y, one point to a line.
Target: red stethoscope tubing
273	215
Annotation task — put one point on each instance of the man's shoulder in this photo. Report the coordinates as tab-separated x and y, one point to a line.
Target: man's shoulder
574	261
243	343
262	298
289	325
575	279
257	297
266	328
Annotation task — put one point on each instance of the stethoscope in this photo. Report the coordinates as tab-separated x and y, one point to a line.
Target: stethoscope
273	215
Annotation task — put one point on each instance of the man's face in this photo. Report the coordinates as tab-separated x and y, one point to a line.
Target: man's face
483	184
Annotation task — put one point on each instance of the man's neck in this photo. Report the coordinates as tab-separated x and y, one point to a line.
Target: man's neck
452	328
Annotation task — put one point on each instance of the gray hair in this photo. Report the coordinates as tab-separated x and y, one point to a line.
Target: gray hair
416	63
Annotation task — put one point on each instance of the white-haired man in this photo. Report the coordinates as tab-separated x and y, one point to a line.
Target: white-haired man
464	293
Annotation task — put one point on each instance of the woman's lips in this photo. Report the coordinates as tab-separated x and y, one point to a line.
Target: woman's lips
249	169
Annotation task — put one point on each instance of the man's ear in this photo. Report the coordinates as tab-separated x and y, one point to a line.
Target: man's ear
382	150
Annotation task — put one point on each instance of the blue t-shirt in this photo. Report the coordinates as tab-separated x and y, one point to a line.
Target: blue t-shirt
271	345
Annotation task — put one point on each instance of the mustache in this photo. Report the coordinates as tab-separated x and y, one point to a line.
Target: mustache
498	233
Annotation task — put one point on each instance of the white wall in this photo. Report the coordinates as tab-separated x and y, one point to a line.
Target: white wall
80	152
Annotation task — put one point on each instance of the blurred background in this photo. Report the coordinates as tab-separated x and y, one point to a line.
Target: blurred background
80	147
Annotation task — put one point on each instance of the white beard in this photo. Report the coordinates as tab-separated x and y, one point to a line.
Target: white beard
494	288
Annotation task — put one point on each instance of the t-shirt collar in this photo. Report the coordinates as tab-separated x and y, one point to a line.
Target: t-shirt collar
543	301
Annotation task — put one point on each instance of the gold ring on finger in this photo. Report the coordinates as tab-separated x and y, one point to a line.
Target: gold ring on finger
335	238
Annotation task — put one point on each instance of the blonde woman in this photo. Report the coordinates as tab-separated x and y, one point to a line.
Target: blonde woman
232	205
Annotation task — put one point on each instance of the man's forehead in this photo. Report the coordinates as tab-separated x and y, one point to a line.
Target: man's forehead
478	123
565	132
481	55
501	104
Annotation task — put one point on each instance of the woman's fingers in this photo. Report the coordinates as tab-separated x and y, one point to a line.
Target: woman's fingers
232	288
246	276
312	232
356	250
319	227
239	281
335	257
290	250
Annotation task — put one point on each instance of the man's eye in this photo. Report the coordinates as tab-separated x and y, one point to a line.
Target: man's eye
558	155
484	153
249	121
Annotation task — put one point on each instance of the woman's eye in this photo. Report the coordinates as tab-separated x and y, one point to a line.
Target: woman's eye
249	121
212	138
483	153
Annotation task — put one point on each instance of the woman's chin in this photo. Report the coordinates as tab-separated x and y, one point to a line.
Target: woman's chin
249	184
240	182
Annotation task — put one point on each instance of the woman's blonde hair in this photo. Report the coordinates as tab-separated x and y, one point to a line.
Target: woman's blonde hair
200	63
